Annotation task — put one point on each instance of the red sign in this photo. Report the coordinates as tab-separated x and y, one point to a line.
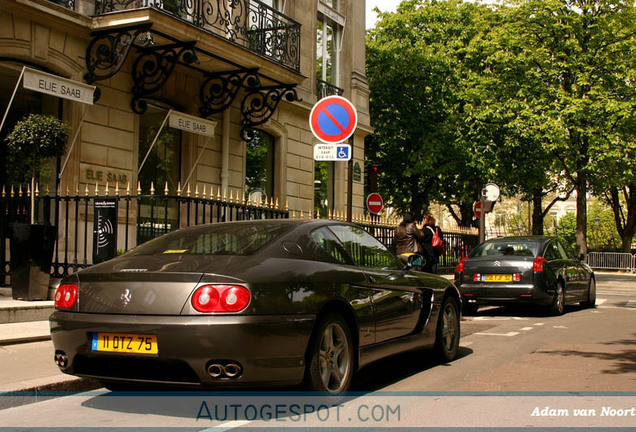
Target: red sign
333	119
375	203
477	209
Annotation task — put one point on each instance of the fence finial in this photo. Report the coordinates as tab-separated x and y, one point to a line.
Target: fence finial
152	188
106	191
138	188
128	189
166	191
117	188
96	189
196	190
179	189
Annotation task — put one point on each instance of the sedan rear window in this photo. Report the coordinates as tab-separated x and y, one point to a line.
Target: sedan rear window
506	248
222	239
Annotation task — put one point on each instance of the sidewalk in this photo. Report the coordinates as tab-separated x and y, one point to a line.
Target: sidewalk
26	353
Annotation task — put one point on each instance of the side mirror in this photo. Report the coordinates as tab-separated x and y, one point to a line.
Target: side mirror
414	261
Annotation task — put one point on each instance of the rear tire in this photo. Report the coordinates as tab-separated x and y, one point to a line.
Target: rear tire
331	356
558	303
447	334
591	295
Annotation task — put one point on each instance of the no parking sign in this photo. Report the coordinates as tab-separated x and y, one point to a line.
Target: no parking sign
333	119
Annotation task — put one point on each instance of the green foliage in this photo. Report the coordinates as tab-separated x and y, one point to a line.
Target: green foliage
34	139
566	230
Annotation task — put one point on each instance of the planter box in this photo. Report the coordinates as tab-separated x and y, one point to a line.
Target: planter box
31	249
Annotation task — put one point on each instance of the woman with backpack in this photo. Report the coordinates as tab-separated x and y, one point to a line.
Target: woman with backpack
433	243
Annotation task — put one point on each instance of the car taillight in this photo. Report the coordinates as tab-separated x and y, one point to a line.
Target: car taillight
66	296
460	266
221	298
476	277
538	264
516	277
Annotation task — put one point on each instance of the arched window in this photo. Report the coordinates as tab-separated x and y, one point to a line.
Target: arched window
13	172
259	166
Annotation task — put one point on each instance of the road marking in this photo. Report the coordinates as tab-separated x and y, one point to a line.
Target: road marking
465	344
559	327
539	324
226	426
600	301
509	334
527	328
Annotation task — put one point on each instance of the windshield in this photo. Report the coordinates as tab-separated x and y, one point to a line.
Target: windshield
506	248
221	239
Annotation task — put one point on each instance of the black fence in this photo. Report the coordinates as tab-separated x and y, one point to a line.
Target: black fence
90	223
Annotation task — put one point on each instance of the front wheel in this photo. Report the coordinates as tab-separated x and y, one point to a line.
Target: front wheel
447	336
331	356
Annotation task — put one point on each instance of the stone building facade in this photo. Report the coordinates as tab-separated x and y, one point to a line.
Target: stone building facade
252	70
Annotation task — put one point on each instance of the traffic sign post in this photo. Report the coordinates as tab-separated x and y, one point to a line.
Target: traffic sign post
375	203
333	119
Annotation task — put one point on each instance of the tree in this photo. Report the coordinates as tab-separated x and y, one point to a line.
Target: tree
581	52
417	61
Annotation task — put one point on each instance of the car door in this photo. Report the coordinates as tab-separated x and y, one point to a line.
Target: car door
396	296
580	275
561	266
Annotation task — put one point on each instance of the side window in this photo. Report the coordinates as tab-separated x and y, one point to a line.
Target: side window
552	252
365	249
328	242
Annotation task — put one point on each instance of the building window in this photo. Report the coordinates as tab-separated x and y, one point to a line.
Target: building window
13	172
161	166
329	31
259	166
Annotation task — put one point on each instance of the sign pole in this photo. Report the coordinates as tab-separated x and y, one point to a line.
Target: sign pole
350	184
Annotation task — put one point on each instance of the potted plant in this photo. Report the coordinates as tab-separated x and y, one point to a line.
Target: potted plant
33	140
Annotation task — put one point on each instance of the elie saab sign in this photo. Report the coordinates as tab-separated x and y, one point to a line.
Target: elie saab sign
57	86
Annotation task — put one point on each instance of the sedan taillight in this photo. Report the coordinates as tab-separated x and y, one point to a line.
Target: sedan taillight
66	296
538	264
460	266
221	298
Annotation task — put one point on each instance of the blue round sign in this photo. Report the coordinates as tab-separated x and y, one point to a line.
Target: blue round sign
333	119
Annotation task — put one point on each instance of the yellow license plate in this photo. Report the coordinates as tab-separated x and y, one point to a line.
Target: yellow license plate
125	343
498	278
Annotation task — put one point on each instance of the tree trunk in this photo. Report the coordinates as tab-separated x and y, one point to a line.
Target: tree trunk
537	212
581	212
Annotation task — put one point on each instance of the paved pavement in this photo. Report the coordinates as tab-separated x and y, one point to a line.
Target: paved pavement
26	351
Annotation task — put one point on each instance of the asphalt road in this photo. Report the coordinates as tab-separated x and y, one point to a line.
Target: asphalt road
517	368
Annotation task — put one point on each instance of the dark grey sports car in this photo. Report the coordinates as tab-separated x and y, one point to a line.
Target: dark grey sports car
533	270
270	302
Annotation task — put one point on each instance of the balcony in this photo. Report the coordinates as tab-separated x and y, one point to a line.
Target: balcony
248	23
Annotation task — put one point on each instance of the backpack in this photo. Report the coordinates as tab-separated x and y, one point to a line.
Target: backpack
437	242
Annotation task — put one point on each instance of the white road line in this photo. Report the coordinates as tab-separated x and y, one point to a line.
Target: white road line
600	301
527	328
509	334
539	324
226	426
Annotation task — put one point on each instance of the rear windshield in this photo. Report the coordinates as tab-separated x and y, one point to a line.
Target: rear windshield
221	239
506	248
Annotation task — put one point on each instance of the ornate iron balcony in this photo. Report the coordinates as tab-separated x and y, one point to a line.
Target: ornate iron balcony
324	89
68	4
248	23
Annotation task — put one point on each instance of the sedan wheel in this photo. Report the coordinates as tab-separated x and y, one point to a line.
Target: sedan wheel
447	339
331	356
591	295
558	303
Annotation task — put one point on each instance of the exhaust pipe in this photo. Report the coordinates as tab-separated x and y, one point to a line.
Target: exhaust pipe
61	359
230	370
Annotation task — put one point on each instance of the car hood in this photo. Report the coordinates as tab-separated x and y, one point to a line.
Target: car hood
150	285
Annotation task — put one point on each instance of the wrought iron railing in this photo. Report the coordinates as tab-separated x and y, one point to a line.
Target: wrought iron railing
324	89
68	4
248	23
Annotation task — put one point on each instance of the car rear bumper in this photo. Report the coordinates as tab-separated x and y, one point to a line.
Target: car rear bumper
268	349
501	294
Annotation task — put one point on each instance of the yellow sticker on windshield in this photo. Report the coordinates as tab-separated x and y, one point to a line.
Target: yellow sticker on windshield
175	251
